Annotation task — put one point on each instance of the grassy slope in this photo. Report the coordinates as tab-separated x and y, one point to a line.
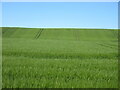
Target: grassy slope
59	57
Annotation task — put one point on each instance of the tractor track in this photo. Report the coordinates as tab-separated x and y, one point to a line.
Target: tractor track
106	45
39	33
75	33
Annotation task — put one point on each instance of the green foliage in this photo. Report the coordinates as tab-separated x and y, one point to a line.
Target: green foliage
59	58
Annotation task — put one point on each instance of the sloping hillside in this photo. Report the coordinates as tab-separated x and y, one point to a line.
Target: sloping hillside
60	43
59	58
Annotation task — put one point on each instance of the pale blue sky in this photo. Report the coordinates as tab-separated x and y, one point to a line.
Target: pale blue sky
60	14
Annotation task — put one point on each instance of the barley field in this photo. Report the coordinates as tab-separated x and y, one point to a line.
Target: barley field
59	58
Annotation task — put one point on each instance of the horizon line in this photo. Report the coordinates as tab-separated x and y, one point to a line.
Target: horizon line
57	27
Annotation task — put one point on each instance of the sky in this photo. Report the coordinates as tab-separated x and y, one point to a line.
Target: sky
60	14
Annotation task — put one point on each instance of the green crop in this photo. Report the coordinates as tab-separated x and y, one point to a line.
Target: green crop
60	58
